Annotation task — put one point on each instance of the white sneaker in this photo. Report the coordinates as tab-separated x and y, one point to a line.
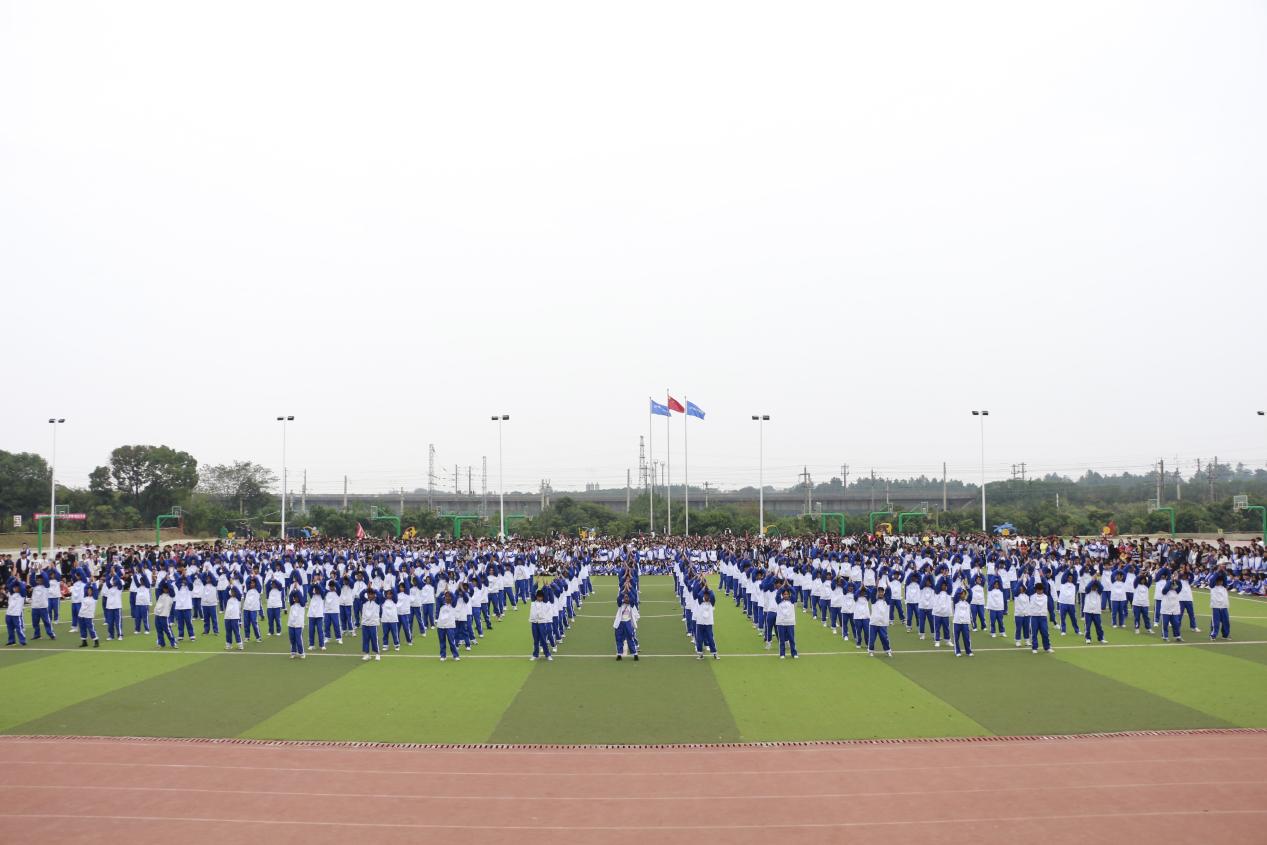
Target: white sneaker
550	658
378	657
339	641
365	657
442	659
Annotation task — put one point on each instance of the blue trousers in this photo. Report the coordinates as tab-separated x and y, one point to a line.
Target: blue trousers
997	622
16	627
140	618
540	639
787	637
163	625
1094	619
55	605
962	635
626	637
1185	607
941	628
316	631
1117	612
39	616
882	633
704	637
232	631
1022	628
114	622
296	640
210	620
1220	622
332	628
369	639
86	628
860	627
978	615
251	622
1038	628
184	622
274	620
1141	614
448	639
391	632
1171	621
1068	612
895	611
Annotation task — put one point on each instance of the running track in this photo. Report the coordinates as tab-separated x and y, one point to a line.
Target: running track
1162	787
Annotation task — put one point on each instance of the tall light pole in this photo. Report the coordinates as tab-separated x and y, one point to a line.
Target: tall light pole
761	420
283	421
501	475
52	505
982	414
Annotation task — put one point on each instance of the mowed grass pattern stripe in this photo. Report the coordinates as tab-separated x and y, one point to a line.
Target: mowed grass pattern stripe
215	697
610	701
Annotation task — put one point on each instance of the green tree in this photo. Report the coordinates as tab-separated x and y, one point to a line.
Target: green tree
153	478
24	485
242	483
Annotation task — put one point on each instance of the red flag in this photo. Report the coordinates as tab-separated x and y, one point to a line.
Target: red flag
360	532
675	405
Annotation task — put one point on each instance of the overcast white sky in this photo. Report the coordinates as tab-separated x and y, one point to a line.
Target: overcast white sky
394	219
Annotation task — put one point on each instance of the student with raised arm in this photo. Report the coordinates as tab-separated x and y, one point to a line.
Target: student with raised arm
163	615
1020	611
1220	621
371	616
879	627
232	619
1092	608
1038	619
785	624
295	625
446	626
963	615
626	627
539	621
1139	602
704	624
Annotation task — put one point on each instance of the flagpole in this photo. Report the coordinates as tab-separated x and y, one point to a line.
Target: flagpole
668	461
686	463
651	469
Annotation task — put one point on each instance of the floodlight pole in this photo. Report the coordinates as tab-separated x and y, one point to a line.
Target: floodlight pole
761	420
982	414
283	421
501	477
52	506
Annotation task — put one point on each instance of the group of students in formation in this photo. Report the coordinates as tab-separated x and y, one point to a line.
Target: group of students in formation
946	587
384	596
953	592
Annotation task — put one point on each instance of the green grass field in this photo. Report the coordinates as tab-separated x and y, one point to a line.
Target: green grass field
131	688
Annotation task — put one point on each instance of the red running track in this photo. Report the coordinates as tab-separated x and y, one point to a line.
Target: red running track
1182	787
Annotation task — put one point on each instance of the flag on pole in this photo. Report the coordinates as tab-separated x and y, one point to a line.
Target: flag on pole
360	532
661	410
694	410
675	405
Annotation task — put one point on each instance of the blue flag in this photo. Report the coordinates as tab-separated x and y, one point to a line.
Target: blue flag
693	410
657	408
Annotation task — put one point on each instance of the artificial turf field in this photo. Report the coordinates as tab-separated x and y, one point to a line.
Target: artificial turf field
496	695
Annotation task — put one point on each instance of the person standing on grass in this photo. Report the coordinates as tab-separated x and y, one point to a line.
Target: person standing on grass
1038	619
861	618
943	607
317	618
371	616
785	624
140	591
76	596
446	626
210	604
1118	592
163	615
539	621
1139	601
232	619
1171	617
389	613
295	625
626	627
1220	621
39	607
879	627
1185	599
251	609
963	616
184	609
1092	608
13	620
1020	611
704	624
996	606
87	610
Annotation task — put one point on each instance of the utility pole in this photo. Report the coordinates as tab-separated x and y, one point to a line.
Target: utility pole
1178	482
943	487
873	488
400	511
1161	476
809	490
470	482
431	477
345	494
1211	471
484	487
705	495
844	476
303	494
628	489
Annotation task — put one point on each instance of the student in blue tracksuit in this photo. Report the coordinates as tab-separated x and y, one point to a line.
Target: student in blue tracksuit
785	624
87	610
13	619
996	606
626	627
39	607
54	594
1038	616
251	606
163	615
539	620
330	619
879	627
1092	608
704	624
371	616
232	619
446	626
963	614
210	620
1220	621
295	625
